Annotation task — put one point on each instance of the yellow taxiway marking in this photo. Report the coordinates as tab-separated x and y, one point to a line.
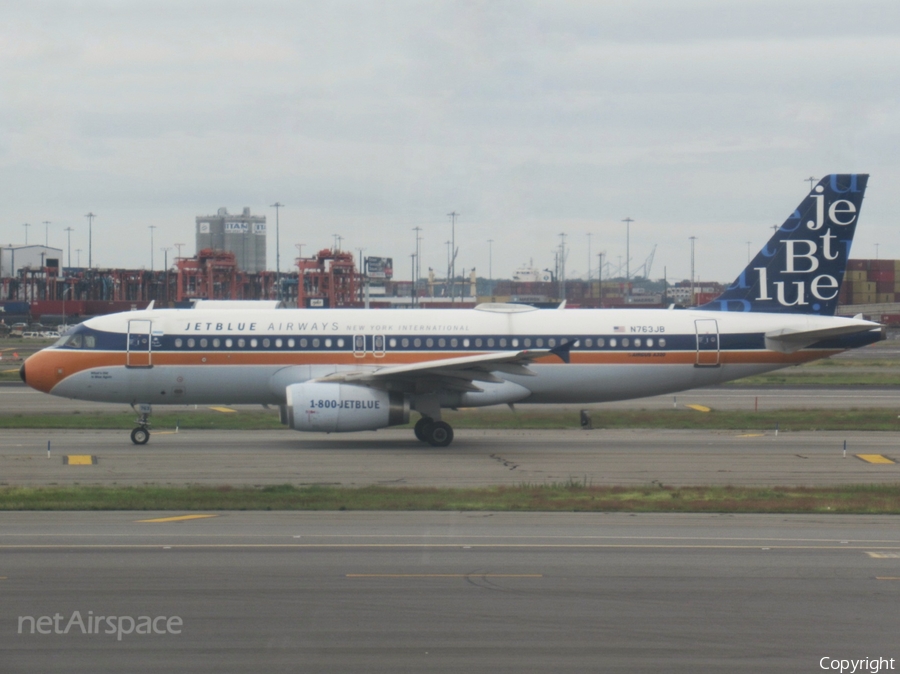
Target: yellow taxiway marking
164	432
79	460
444	575
699	408
179	518
224	410
874	458
15	369
751	435
884	555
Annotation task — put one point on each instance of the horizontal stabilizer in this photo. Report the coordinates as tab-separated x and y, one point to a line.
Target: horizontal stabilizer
789	340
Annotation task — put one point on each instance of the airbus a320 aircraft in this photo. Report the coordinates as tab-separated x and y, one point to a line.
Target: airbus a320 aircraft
336	370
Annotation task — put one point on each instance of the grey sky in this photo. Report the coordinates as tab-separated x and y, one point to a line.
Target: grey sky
367	119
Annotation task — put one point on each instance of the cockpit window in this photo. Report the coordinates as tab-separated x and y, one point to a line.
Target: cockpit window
78	340
90	342
75	341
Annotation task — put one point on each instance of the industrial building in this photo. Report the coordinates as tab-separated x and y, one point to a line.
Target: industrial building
244	235
15	258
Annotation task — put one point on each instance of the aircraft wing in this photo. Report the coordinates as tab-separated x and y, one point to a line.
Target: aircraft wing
450	373
789	340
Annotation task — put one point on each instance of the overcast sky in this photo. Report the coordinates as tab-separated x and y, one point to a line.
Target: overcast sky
367	119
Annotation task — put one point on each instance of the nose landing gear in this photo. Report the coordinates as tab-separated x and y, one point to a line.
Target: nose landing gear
141	434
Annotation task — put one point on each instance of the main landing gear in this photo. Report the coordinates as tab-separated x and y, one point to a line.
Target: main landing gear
435	433
141	434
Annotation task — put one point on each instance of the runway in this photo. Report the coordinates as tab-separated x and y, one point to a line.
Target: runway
476	458
449	592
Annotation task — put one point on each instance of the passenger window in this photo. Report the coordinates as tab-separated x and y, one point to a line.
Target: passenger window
253	343
393	343
217	343
417	342
429	342
316	343
405	342
662	342
229	343
328	343
612	342
340	343
539	342
490	342
291	343
466	343
601	342
649	342
502	341
637	341
551	342
191	343
515	342
178	342
478	342
442	342
527	342
625	342
242	343
303	343
279	343
204	342
266	342
454	342
589	342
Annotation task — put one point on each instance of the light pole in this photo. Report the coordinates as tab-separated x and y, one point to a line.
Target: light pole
453	215
78	252
278	206
165	250
418	269
90	217
65	292
491	267
69	231
600	278
693	238
299	247
589	261
26	226
810	180
46	224
627	222
179	246
151	228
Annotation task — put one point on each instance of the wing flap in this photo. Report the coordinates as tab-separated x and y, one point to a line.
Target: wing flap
789	340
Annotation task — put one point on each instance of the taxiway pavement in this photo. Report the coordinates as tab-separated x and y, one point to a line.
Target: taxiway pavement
449	592
476	458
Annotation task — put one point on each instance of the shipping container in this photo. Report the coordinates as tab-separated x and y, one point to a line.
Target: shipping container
863	298
881	265
857	265
884	287
886	275
855	276
884	298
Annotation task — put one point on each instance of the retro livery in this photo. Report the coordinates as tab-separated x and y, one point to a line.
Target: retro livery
351	370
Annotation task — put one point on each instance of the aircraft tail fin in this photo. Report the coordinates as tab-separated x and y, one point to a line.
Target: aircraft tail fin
801	268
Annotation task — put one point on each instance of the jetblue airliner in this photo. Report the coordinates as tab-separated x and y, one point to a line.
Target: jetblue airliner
337	370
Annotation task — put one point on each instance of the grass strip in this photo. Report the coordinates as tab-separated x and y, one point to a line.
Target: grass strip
567	497
880	419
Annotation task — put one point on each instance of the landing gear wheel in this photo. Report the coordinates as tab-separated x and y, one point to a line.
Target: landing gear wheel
421	428
440	434
140	435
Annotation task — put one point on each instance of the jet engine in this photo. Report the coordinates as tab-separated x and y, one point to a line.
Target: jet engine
336	408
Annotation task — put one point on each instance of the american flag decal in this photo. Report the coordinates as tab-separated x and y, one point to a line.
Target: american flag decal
619	328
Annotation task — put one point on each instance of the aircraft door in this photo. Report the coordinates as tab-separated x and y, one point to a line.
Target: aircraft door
139	346
707	343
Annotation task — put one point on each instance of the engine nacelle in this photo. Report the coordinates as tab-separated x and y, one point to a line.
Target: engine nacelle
336	408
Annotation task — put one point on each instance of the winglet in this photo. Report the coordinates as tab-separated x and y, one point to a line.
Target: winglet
562	351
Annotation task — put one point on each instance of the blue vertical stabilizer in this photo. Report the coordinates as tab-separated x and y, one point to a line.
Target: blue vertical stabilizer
801	269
